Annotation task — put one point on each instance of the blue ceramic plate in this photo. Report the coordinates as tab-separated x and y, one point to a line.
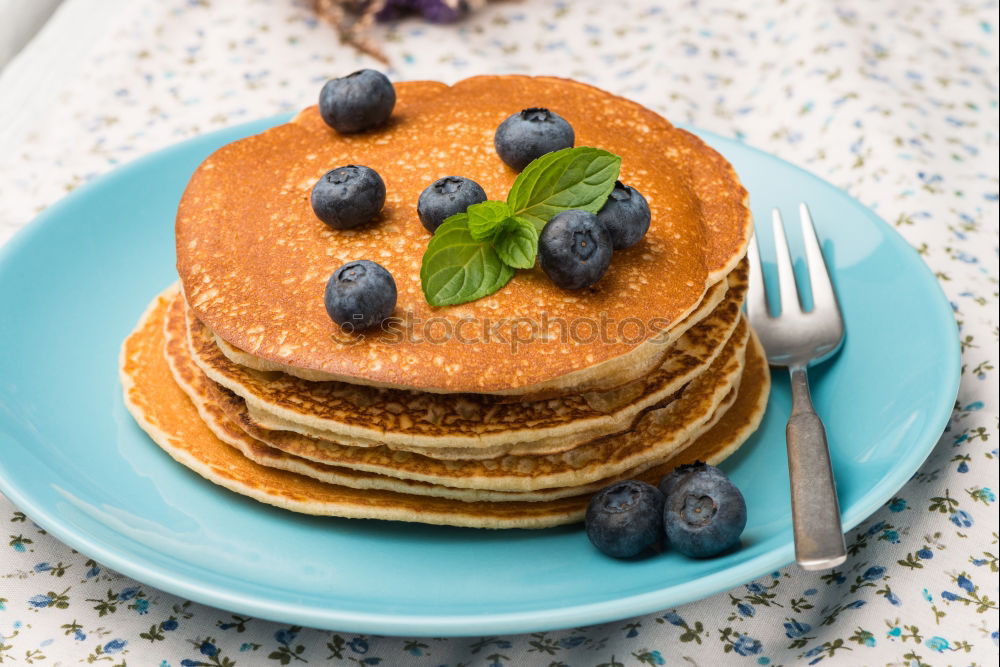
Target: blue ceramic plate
73	284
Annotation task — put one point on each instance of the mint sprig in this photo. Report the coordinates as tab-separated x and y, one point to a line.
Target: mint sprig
486	218
474	254
516	243
458	268
578	178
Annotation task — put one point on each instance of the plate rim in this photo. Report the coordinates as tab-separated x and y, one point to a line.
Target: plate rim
408	624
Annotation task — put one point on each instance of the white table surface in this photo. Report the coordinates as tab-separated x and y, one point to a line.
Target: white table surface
894	101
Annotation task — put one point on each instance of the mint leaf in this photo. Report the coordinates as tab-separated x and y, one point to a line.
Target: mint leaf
516	243
458	268
572	178
485	218
475	253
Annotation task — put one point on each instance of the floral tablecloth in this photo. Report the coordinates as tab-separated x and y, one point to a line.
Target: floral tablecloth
894	101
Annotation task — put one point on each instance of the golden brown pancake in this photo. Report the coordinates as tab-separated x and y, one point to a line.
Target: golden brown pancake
469	425
164	411
254	259
657	435
614	376
740	416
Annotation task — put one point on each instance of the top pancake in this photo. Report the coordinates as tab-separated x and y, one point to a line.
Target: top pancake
254	259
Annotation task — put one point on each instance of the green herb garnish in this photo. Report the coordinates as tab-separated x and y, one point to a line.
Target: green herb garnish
473	254
574	178
459	268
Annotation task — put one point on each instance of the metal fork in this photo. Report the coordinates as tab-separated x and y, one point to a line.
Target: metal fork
798	339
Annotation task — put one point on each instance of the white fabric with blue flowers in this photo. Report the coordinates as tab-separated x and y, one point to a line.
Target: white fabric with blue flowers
894	101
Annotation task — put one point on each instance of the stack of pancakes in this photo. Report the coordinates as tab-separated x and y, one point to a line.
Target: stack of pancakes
509	411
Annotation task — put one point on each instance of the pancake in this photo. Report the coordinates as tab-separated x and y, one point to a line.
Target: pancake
657	434
253	258
470	425
739	416
614	377
209	399
163	410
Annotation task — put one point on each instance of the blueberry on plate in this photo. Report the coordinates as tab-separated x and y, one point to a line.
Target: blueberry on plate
349	196
626	215
625	518
704	515
357	102
670	481
445	197
360	295
574	249
530	134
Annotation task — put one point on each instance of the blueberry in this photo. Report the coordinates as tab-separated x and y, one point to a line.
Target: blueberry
360	295
529	134
625	518
357	102
445	197
349	196
670	481
574	249
626	215
704	515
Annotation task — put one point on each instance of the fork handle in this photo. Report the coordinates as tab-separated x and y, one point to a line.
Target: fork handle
819	537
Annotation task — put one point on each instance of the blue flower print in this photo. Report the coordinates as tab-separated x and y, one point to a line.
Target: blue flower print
358	645
875	528
962	519
964	583
985	494
794	629
656	658
745	610
169	625
115	645
925	554
128	593
673	618
40	601
209	649
746	645
897	505
285	637
873	573
939	644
